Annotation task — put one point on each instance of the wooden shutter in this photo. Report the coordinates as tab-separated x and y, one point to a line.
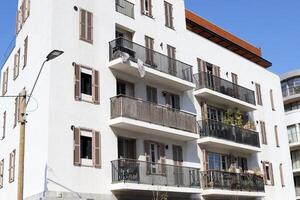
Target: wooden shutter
201	65
150	7
272	99
276	135
162	157
216	71
89	27
258	94
265	172
271	173
5	81
263	132
281	175
151	94
83	24
177	102
234	78
77	88
143	7
167	19
4	125
23	11
77	157
16	64
149	43
1	172
27	9
147	155
25	52
12	158
96	96
205	160
96	149
171	15
16	114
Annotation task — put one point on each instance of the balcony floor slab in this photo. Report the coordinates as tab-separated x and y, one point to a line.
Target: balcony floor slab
223	99
212	143
230	193
151	75
153	129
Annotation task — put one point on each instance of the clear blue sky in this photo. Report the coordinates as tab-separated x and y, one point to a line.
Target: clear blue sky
273	25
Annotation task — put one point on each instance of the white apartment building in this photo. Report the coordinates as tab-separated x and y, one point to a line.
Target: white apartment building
148	99
291	93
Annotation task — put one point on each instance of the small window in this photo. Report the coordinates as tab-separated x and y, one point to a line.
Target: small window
172	100
258	94
146	7
86	147
268	173
86	26
125	88
86	83
169	15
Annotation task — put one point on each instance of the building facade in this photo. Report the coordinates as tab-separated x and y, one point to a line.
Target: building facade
290	91
148	100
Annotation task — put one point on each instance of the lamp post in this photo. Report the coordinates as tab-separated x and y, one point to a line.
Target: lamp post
22	116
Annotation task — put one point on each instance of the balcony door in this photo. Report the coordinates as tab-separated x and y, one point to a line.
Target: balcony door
125	88
126	148
178	159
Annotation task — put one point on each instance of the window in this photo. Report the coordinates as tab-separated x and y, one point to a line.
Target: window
126	148
17	64
155	157
268	173
4	125
258	94
224	162
25	52
1	173
125	88
86	84
5	81
151	94
11	169
272	100
292	106
169	15
87	147
172	100
292	133
146	7
295	155
263	132
149	50
86	26
281	175
17	111
276	135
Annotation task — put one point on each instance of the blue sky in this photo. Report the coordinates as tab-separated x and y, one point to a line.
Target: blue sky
273	25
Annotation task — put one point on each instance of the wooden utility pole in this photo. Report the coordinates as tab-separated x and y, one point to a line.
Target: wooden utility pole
22	121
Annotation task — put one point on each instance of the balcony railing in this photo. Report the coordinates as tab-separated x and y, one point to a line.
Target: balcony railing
124	106
206	80
232	181
150	58
211	128
125	7
140	172
290	91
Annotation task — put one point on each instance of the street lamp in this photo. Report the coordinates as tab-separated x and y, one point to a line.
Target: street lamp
23	106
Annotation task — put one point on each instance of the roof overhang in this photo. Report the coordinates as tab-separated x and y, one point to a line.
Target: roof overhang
225	39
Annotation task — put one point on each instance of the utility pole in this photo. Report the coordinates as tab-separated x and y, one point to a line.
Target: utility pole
22	121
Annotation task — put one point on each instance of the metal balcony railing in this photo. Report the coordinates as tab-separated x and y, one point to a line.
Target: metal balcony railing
141	172
232	181
125	7
290	91
124	106
150	58
211	128
207	80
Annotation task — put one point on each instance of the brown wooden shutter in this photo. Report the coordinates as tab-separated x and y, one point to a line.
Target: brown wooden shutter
83	24
258	94
276	135
265	172
12	157
147	155
272	99
150	8
281	175
77	90
16	64
149	42
271	173
177	102
16	112
25	52
234	78
77	157
142	7
27	10
5	81
4	125
167	23
263	132
96	96
216	71
205	160
96	149
90	27
171	15
162	157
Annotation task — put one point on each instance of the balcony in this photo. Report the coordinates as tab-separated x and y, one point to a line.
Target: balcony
290	94
223	92
134	59
140	175
220	184
142	116
294	140
125	7
217	134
